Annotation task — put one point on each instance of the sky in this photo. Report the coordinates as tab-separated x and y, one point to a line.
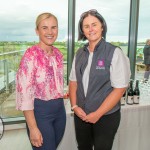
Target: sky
17	18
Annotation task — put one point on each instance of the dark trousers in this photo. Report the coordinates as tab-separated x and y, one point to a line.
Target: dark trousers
51	120
147	72
100	135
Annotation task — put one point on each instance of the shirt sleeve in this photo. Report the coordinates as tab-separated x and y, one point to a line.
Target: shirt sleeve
120	69
25	83
72	76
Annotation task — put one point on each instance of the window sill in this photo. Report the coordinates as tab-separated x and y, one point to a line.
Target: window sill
14	123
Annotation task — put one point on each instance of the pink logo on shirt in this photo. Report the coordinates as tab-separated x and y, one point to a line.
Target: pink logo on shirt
100	64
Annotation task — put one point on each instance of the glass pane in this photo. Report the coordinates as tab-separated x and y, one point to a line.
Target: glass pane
116	14
143	36
17	33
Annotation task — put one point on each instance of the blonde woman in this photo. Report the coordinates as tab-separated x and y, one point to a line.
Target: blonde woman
39	87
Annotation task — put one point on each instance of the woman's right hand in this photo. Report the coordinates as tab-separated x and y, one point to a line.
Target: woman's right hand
36	137
79	112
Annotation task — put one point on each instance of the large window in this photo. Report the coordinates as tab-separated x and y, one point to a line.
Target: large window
116	14
17	33
143	35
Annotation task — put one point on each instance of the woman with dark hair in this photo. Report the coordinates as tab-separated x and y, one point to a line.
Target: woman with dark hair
98	79
146	52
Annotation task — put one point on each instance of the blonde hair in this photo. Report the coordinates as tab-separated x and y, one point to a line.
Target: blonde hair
44	16
148	42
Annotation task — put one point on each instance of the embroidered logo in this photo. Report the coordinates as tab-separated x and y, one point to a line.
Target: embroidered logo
100	64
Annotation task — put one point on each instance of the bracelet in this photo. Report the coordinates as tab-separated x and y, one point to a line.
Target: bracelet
73	107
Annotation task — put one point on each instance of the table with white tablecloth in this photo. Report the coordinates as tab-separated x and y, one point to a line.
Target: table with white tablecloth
133	132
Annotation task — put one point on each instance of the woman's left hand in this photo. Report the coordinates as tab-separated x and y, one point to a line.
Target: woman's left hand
92	117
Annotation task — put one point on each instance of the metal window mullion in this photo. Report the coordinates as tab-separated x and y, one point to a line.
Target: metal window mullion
71	36
133	33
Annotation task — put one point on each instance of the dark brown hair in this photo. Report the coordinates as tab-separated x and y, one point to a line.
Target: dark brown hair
92	12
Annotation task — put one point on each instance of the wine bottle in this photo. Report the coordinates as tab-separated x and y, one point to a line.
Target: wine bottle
123	99
130	93
136	98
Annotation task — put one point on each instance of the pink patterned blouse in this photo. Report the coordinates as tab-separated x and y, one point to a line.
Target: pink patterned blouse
39	76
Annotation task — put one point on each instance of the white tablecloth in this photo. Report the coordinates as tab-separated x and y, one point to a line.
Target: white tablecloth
133	132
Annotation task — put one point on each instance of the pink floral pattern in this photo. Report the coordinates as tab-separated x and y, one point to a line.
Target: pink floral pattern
39	76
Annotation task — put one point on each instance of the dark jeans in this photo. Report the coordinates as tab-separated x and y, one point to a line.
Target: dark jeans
51	120
100	135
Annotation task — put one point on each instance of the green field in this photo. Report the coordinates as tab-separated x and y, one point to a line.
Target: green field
13	51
